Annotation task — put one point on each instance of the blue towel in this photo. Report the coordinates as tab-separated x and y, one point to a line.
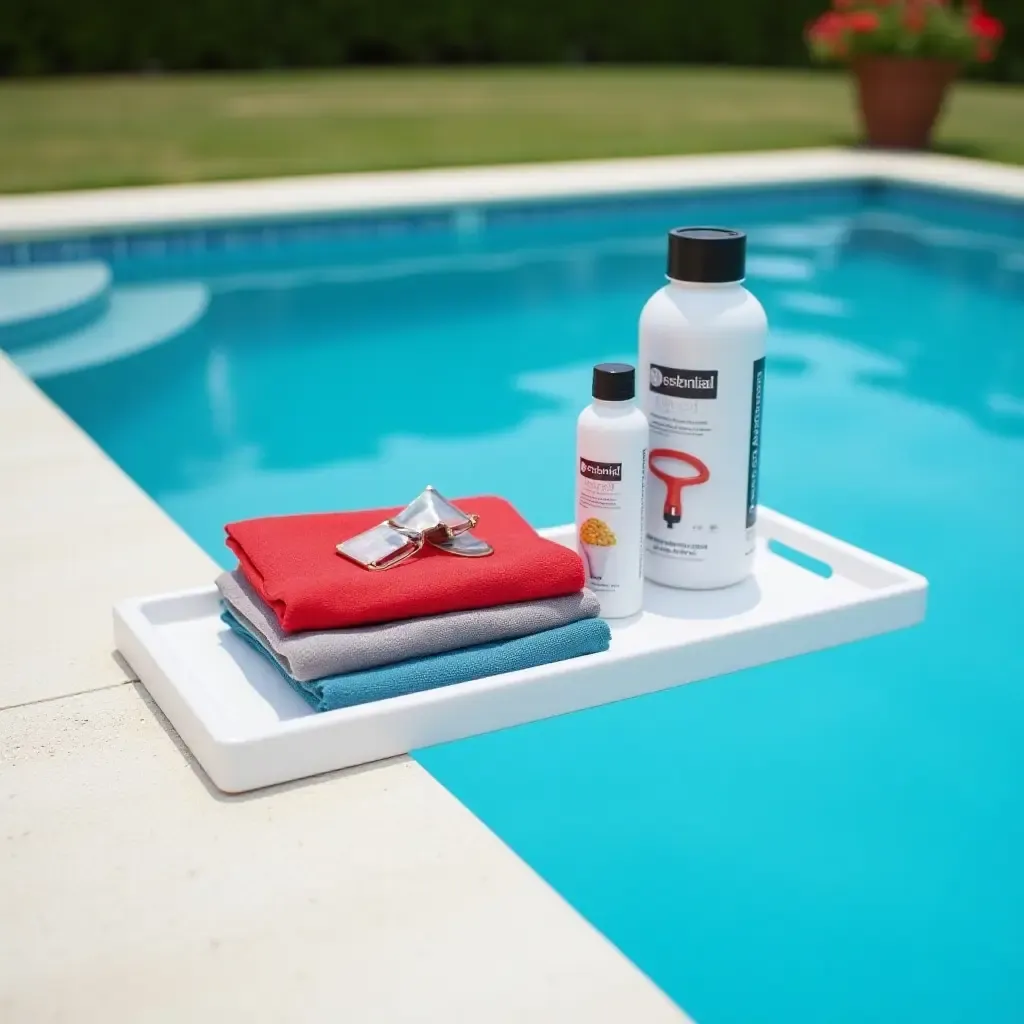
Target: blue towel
588	636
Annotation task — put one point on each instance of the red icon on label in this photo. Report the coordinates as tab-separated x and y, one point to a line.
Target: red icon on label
665	464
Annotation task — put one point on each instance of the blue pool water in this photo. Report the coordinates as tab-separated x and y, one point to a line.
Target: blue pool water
836	838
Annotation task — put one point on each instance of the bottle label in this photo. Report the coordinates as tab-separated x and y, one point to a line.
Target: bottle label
700	384
601	470
610	522
754	457
704	460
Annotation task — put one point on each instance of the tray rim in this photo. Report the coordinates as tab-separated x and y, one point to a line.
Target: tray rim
157	664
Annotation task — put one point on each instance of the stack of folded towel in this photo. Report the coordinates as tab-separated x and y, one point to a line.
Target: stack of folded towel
342	635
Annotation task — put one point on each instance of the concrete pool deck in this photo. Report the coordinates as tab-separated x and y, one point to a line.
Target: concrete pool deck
133	890
130	888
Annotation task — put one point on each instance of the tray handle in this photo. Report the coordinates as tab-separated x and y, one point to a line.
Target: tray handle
841	558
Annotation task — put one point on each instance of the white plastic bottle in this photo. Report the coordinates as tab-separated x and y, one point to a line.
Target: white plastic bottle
702	357
611	462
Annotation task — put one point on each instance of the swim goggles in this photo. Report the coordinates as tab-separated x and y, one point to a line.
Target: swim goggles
429	519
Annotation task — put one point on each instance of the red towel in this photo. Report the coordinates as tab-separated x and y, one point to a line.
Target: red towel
292	563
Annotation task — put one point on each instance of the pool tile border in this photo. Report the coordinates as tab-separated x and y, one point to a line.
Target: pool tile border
271	232
221	214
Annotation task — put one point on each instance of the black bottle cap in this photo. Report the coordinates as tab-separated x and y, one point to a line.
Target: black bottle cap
707	255
614	382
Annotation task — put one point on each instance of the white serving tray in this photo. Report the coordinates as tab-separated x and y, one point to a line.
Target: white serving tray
249	729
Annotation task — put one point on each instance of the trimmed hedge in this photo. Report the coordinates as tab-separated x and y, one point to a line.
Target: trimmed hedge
76	36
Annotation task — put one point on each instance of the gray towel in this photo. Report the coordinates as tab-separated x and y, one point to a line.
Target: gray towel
310	656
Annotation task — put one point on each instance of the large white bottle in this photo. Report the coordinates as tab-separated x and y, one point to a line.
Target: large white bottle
702	353
611	461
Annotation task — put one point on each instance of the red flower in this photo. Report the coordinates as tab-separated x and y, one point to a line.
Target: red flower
862	21
828	26
984	26
985	51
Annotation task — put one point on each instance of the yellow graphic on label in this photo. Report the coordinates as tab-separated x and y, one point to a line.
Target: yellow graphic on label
598	541
597	532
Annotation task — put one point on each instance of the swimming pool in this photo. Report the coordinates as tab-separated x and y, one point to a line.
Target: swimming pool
833	838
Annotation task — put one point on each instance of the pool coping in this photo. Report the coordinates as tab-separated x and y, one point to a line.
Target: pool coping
69	214
57	684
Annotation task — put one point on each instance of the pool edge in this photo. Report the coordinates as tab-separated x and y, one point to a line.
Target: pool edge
47	215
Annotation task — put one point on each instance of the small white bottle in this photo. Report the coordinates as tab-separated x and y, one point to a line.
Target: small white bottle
611	460
702	360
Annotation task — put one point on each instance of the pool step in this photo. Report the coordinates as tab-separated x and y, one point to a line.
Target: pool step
137	318
40	302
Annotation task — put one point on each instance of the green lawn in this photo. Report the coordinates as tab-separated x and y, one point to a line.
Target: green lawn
81	133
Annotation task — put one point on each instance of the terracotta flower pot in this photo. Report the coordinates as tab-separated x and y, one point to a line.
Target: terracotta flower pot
900	98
